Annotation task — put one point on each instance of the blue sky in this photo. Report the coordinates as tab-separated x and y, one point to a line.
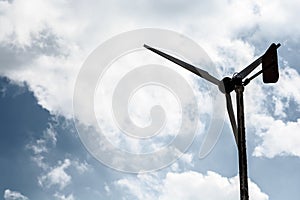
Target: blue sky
43	45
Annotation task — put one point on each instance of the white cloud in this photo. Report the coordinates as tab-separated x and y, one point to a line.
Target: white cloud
81	167
187	185
270	116
288	85
26	20
193	185
22	21
107	189
187	158
52	77
57	176
13	195
40	161
53	175
64	197
278	137
144	186
59	72
41	59
40	147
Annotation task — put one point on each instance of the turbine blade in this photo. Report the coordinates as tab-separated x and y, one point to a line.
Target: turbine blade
242	74
203	74
231	116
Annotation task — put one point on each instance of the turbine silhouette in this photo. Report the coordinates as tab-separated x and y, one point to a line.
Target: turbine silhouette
270	73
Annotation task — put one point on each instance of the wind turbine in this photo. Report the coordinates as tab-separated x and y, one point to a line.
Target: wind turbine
237	83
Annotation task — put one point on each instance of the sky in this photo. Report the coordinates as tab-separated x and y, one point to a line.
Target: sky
48	136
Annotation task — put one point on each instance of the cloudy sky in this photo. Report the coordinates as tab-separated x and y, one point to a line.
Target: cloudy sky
43	45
